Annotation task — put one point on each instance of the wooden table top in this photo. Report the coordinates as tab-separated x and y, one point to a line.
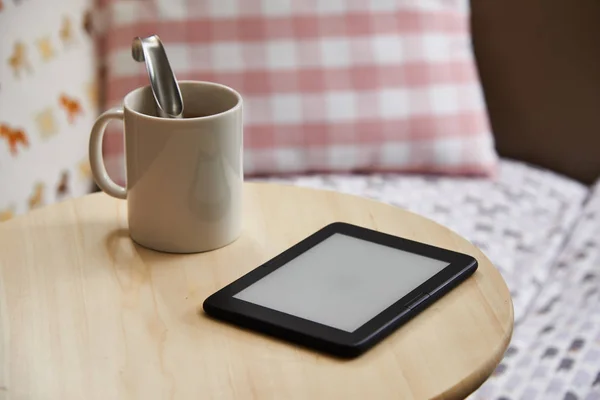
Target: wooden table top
87	314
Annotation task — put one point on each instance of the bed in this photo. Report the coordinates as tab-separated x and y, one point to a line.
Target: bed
541	230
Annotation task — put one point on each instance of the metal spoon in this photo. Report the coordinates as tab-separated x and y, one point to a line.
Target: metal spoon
165	89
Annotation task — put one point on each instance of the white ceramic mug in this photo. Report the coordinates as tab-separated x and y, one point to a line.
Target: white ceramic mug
184	176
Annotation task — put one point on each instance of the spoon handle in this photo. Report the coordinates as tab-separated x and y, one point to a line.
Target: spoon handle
169	103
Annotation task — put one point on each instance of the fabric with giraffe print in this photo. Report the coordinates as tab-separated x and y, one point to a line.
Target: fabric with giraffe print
47	102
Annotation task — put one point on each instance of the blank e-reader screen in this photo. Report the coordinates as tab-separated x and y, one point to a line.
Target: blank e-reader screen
342	282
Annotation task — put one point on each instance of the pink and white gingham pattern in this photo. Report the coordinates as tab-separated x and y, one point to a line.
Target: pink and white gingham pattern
328	85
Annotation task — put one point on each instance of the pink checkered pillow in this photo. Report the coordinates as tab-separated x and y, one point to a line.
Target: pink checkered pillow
328	85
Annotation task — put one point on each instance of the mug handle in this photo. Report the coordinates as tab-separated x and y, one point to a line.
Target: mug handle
96	158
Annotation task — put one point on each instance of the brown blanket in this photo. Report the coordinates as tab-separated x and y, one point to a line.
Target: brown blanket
540	67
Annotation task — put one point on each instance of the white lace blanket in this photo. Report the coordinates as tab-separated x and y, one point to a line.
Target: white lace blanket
542	231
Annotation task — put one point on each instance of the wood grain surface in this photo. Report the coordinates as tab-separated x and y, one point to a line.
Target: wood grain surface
87	314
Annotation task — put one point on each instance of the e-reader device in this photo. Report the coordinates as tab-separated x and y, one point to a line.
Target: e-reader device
342	289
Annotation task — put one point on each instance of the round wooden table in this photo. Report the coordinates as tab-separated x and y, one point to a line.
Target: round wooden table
88	314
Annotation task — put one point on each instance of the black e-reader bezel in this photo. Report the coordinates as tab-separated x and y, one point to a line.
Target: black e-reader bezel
222	305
